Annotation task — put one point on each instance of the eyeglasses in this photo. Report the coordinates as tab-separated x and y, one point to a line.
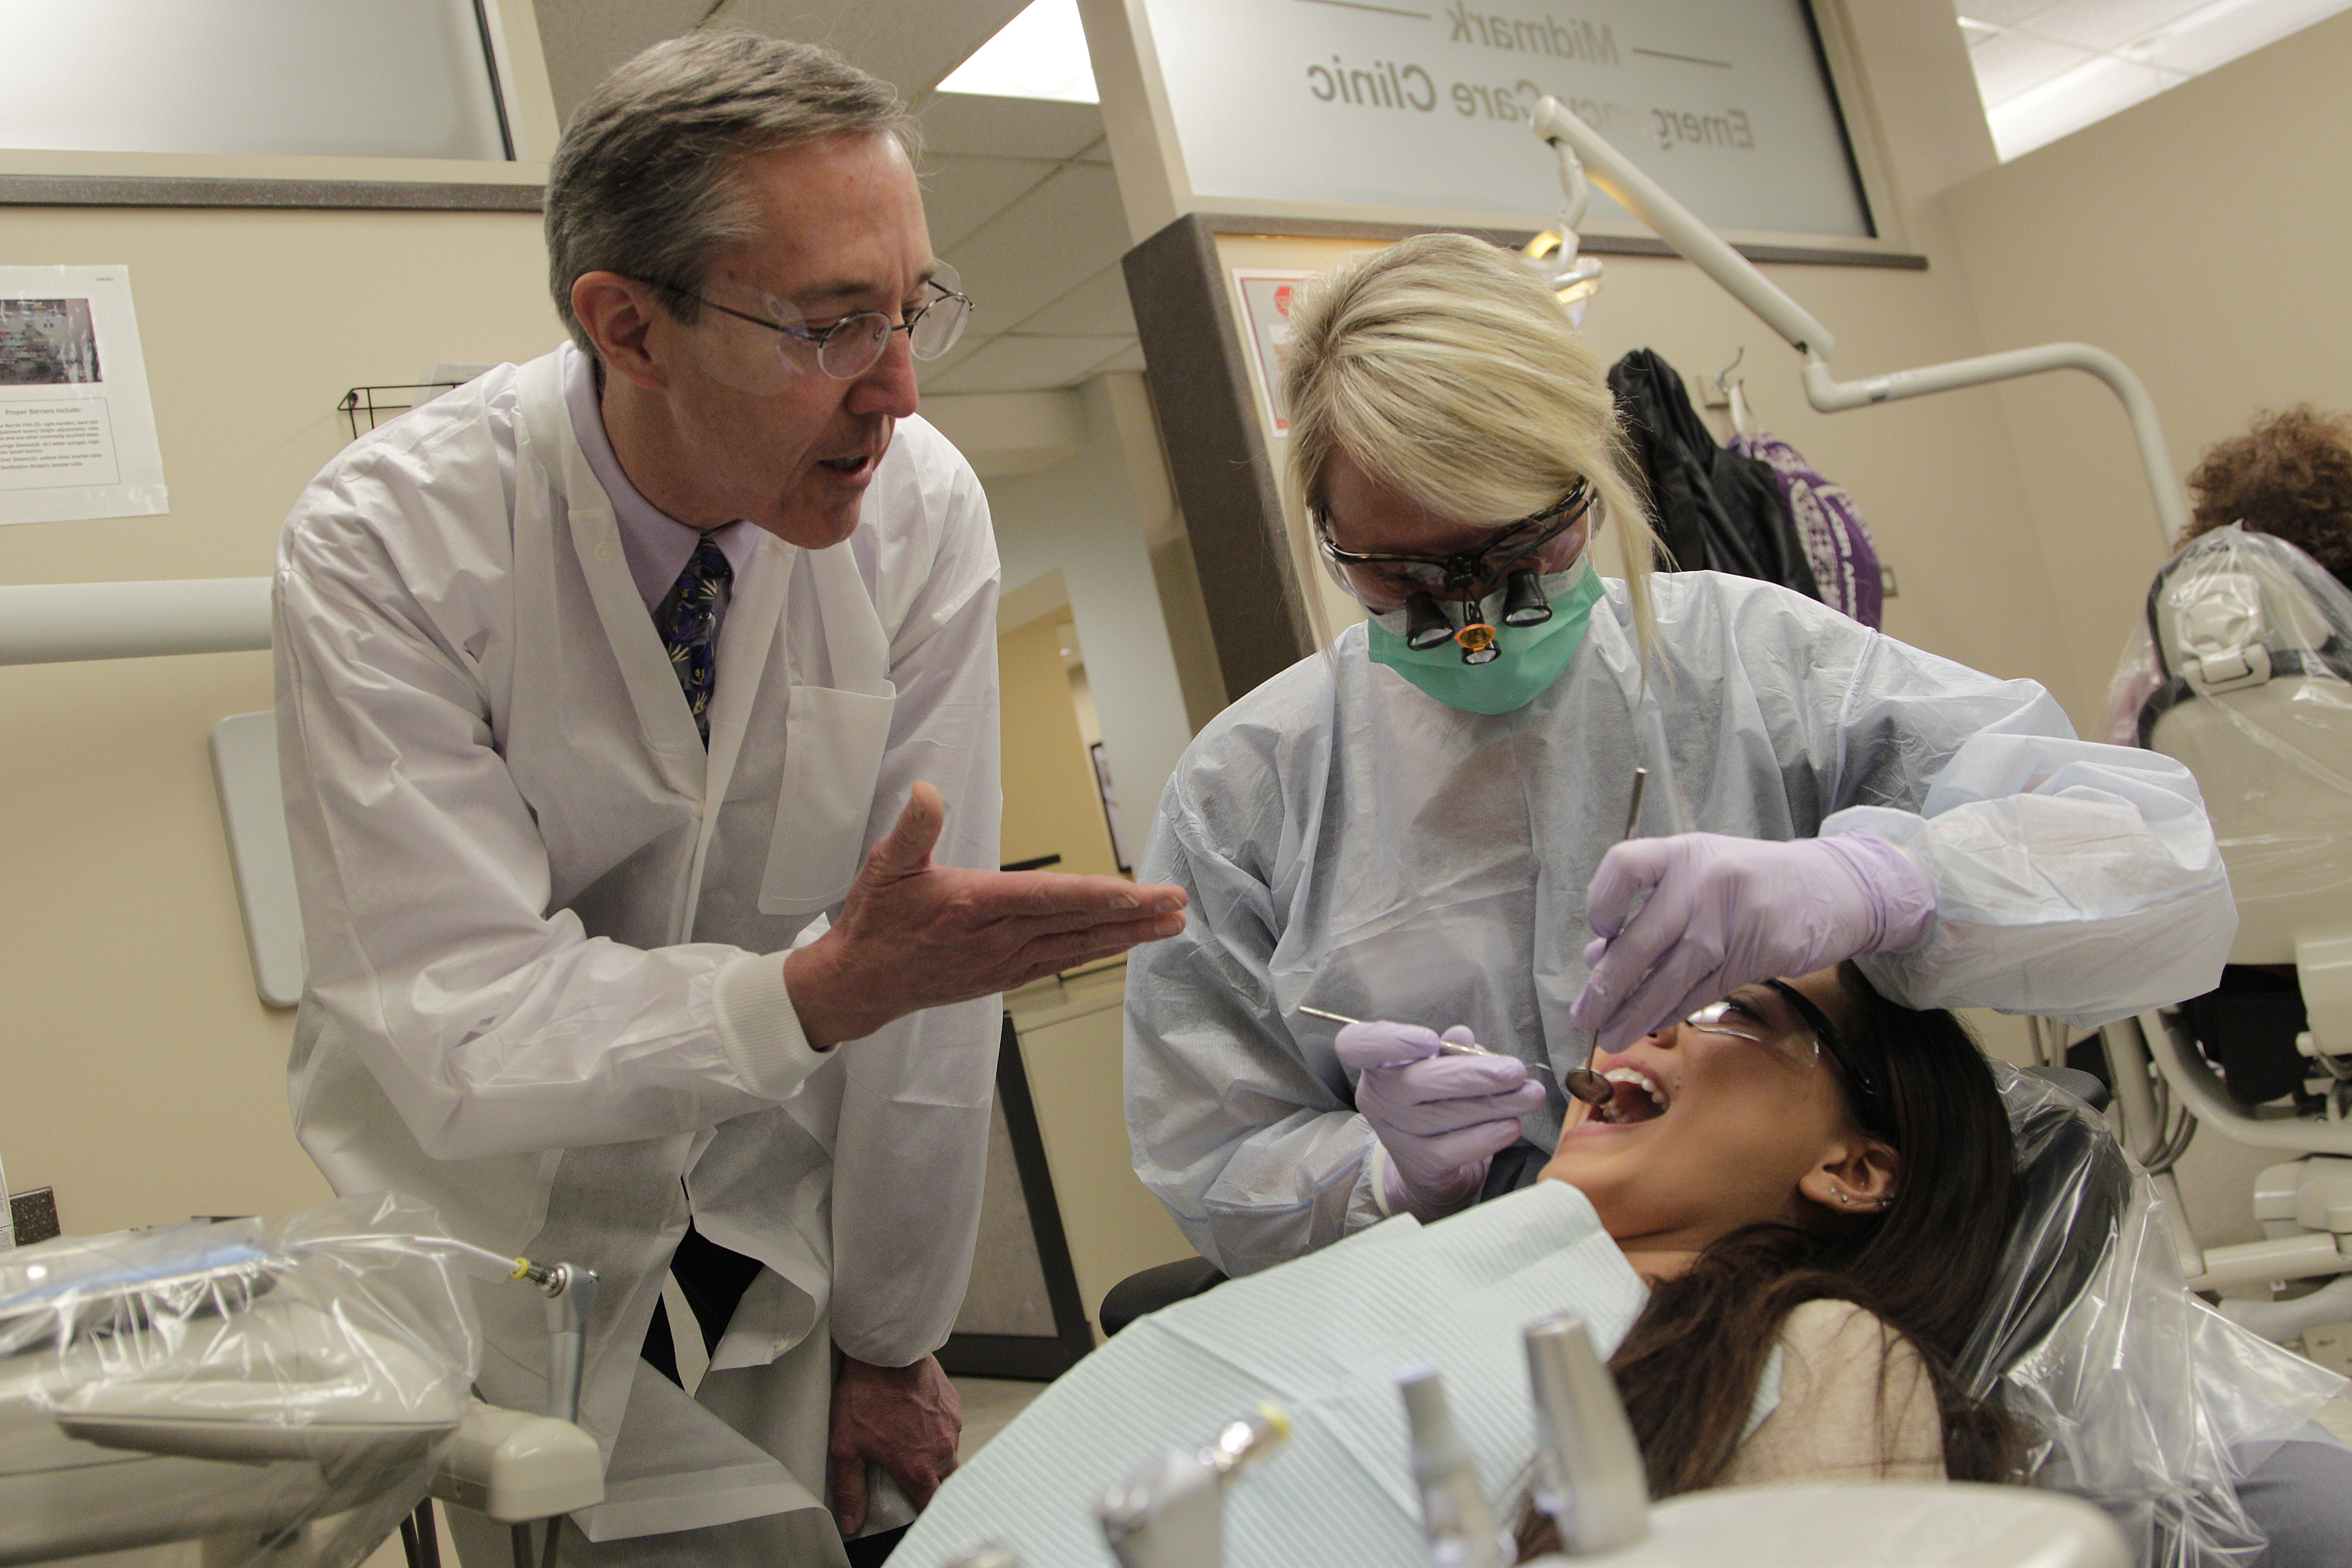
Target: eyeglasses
1731	1020
850	346
1383	580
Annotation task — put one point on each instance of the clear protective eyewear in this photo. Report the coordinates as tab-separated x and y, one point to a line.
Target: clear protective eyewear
1515	558
1733	1020
848	348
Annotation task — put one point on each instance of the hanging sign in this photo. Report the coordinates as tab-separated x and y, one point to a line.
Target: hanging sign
1312	105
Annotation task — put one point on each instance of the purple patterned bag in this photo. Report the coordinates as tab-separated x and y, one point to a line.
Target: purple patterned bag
1837	542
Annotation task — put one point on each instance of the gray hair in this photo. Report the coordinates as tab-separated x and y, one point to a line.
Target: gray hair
643	182
1446	370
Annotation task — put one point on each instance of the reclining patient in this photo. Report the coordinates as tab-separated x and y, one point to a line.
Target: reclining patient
1784	1222
1805	1165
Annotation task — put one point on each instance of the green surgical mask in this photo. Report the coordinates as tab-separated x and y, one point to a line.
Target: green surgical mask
1529	658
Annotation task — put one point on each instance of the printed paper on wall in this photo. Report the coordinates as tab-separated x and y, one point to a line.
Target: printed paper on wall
77	427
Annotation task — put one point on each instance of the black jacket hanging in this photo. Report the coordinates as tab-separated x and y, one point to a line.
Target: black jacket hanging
1715	510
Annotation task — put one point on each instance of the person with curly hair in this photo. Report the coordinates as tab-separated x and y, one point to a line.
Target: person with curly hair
2289	475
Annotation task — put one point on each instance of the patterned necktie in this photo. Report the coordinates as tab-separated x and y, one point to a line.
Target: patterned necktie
689	622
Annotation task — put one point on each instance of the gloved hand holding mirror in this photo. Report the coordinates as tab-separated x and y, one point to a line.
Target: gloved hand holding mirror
1687	920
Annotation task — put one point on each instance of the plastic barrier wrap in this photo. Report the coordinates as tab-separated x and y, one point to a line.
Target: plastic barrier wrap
2144	1400
278	1391
2243	670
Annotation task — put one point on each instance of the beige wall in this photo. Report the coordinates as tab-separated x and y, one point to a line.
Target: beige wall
143	1078
1051	806
2204	236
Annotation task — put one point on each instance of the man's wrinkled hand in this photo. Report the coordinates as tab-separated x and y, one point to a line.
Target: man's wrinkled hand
904	1419
913	934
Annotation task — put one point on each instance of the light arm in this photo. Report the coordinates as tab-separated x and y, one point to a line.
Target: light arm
1583	151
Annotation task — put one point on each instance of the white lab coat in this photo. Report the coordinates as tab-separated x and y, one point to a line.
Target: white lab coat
1352	845
542	922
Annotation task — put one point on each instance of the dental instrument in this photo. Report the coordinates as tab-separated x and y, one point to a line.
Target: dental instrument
1455	1517
1169	1511
1589	1474
1584	1083
1444	1047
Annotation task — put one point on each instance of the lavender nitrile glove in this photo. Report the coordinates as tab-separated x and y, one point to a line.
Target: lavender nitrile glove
1441	1118
1724	912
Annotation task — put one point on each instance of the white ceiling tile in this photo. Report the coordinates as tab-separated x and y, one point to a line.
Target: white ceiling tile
928	371
2003	12
2106	25
583	40
2236	31
960	194
1131	360
1042	246
2013	64
1015	364
1008	127
1097	306
911	43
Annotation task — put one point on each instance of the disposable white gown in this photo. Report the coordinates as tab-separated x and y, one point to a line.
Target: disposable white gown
1352	845
542	921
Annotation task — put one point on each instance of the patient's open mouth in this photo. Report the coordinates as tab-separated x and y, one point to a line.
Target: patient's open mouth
1639	1098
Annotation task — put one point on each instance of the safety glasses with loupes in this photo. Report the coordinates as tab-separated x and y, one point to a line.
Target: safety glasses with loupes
1386	581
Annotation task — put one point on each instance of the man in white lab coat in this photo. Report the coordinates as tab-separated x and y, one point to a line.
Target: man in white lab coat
637	711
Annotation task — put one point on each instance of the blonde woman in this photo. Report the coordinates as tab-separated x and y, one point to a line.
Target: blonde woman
1421	824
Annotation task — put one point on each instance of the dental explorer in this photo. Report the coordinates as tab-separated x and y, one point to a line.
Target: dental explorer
1445	1048
1584	1083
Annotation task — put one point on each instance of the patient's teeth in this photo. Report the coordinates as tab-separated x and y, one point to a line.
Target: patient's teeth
1642	1081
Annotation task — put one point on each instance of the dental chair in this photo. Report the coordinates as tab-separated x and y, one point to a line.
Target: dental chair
284	1396
2250	643
2182	1427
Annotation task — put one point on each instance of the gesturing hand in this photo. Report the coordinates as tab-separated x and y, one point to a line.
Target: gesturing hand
904	1419
915	935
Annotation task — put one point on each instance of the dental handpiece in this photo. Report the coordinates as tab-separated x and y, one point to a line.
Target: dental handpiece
1456	1519
1587	1466
1584	1083
1445	1048
1169	1511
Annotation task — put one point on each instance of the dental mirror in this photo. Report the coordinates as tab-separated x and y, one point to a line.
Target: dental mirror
1583	1082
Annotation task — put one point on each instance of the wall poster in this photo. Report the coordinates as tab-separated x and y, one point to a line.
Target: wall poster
77	429
1266	297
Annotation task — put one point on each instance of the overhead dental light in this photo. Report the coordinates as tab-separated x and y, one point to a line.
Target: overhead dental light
1041	53
1572	278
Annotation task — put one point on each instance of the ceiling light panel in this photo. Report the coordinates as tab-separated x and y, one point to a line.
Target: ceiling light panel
1041	53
